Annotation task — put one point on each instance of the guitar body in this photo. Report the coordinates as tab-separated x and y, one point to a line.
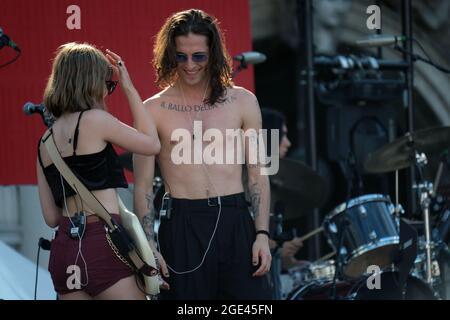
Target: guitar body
134	229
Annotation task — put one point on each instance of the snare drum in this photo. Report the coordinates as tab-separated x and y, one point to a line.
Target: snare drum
370	233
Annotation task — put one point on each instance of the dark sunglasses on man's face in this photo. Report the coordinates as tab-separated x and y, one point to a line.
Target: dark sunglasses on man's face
196	57
111	85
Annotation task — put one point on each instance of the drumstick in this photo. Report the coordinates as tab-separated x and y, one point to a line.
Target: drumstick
309	235
327	256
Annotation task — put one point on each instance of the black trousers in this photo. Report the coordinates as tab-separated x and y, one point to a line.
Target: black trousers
226	272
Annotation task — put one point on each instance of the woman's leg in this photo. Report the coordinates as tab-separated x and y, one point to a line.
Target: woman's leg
124	289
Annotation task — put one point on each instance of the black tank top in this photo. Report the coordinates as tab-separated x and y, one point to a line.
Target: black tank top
98	171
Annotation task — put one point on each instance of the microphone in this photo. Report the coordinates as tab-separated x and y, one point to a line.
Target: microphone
45	244
250	57
6	41
380	41
29	108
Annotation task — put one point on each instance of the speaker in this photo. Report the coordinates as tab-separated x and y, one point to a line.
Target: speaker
358	129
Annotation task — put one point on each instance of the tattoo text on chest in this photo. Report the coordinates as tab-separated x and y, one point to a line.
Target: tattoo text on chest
196	107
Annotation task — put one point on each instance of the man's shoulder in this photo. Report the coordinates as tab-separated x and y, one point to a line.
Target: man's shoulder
244	97
241	92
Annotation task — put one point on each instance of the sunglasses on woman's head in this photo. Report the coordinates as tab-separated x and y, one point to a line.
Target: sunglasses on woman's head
111	85
196	57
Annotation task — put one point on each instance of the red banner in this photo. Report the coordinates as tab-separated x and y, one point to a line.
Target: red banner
126	27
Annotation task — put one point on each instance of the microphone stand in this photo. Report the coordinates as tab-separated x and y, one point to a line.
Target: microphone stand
242	65
425	190
43	244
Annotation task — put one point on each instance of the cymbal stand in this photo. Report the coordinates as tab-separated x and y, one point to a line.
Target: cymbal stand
425	191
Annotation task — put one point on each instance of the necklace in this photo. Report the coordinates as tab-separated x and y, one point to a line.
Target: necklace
192	121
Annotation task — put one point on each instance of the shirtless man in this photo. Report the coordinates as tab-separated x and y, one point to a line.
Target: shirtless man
210	247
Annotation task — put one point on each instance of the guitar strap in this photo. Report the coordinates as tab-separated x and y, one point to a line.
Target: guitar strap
92	201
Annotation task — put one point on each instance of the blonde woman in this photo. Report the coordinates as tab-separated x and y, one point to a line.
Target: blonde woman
82	264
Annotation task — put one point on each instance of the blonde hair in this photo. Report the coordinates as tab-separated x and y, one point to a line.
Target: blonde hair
78	79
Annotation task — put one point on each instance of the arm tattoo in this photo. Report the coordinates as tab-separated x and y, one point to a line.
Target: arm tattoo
255	197
148	220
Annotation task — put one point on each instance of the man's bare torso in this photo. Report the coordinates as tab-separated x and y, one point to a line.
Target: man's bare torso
196	181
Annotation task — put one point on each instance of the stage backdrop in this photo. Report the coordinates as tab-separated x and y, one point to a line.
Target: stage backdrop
126	27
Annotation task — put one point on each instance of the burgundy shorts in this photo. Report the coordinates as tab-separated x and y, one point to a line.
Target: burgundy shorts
103	267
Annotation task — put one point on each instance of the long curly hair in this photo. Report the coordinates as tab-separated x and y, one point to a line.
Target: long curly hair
219	62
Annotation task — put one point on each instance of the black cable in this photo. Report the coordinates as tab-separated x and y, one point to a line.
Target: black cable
421	48
9	62
37	272
416	57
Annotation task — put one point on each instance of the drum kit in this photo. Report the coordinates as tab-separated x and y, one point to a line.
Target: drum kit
372	242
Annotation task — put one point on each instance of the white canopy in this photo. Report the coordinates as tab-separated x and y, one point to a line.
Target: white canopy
17	277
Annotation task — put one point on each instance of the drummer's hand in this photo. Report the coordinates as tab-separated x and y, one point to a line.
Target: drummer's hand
291	247
261	254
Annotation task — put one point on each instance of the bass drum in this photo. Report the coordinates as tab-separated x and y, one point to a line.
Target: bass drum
416	289
358	290
321	291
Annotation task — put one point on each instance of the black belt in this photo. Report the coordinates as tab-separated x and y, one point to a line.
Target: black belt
233	200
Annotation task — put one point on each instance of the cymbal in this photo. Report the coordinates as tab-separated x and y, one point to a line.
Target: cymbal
300	181
399	154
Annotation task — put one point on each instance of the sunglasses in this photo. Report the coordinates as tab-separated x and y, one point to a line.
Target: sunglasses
195	57
111	85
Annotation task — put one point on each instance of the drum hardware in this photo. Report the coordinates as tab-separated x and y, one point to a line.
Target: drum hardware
425	191
412	150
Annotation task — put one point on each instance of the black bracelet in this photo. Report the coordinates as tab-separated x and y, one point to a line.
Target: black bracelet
263	232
